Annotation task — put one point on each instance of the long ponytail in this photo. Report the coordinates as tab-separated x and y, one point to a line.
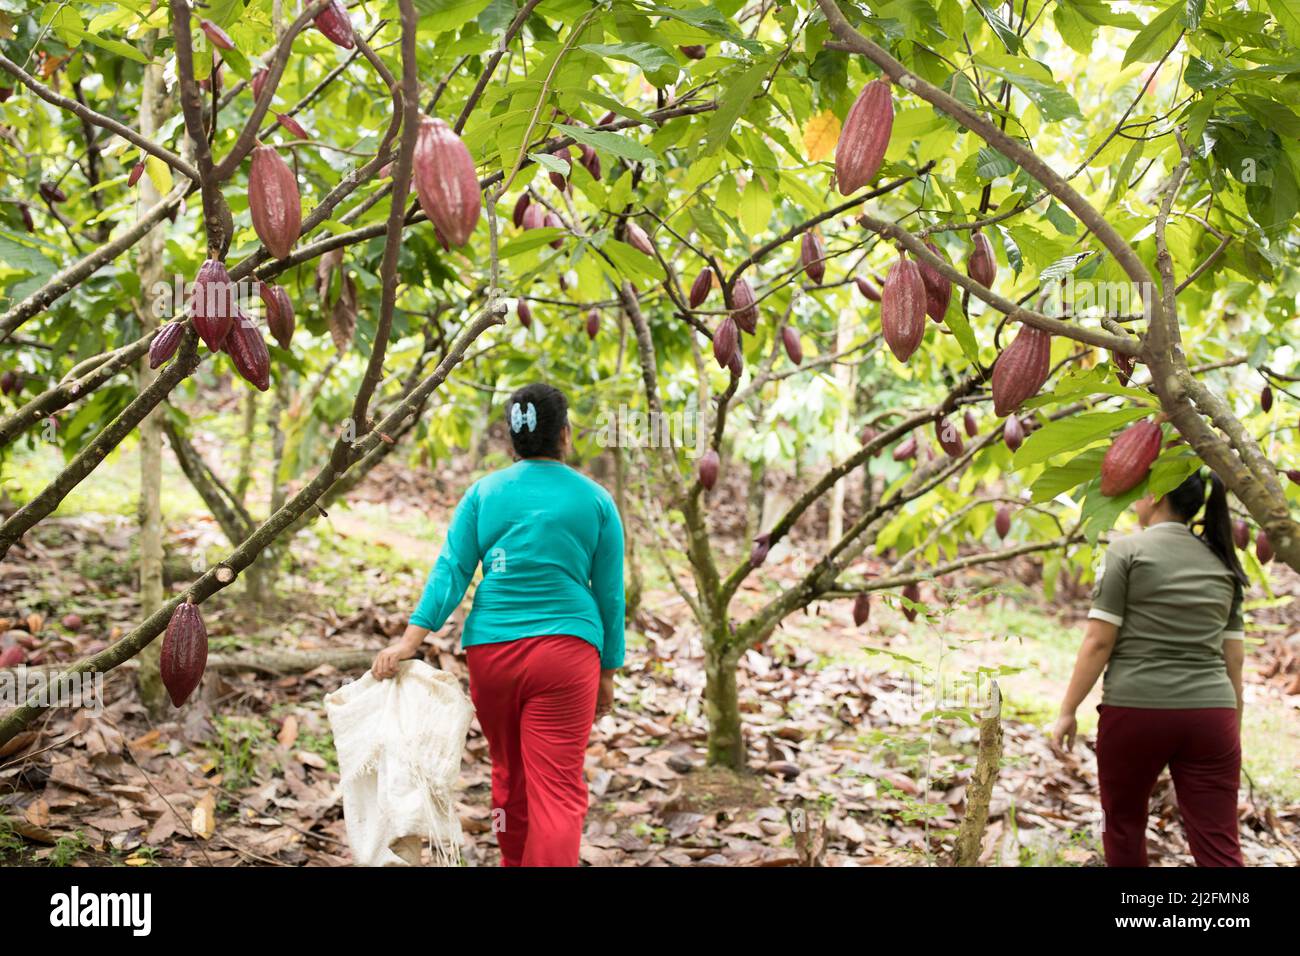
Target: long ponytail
1187	500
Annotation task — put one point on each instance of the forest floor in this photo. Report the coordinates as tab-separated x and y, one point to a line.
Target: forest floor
839	722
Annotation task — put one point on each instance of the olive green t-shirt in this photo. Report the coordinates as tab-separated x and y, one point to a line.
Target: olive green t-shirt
1175	603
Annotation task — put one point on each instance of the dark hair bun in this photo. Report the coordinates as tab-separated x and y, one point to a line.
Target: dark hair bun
539	429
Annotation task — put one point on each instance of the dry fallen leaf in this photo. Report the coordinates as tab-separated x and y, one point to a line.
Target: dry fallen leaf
203	819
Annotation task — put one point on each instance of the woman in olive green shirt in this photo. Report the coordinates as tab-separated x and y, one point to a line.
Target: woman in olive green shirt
1166	626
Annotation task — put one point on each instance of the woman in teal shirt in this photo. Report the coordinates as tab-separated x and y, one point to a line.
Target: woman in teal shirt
545	633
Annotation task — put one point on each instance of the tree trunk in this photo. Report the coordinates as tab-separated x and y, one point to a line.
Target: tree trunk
722	705
150	266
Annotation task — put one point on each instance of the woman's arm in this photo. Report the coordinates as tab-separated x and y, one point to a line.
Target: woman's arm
607	586
386	662
1098	643
1234	657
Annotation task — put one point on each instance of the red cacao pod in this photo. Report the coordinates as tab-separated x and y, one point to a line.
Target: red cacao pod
793	347
982	266
555	222
593	323
136	172
694	51
949	438
25	211
972	427
6	92
184	653
742	299
213	304
9	382
12	656
701	288
938	287
913	593
636	237
525	314
869	291
258	82
868	435
292	125
217	36
334	22
1266	399
590	160
1241	534
1129	458
864	137
812	254
1263	547
1021	369
165	343
445	181
902	308
274	202
279	313
709	464
906	449
1294	475
72	622
52	193
726	342
1013	433
758	554
1002	523
521	206
861	608
737	363
533	217
247	349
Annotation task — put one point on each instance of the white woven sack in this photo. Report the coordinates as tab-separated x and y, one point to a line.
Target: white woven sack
399	744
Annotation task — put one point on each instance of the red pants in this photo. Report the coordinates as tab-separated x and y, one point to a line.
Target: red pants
536	701
1201	747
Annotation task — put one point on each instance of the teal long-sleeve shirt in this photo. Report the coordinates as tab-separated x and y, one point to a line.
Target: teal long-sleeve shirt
550	542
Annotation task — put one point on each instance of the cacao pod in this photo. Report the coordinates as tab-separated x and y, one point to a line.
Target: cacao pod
334	22
636	237
861	608
590	160
534	217
742	299
555	222
694	51
213	304
1263	547
762	544
737	363
864	137
247	350
1002	523
913	594
12	656
726	342
938	287
525	314
184	653
9	382
868	290
1123	367
217	36
1294	475
593	323
868	435
72	622
906	449
279	313
793	347
949	438
521	206
701	288
1266	399
274	202
136	172
258	82
6	92
1021	369
165	343
1241	534
1129	458
292	125
709	463
902	308
445	181
812	253
608	118
972	427
982	266
25	211
1013	433
52	193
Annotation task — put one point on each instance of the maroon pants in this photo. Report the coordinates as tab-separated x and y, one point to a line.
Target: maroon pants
1201	747
536	700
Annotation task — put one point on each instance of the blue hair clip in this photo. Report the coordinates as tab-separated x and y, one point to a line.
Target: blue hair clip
519	418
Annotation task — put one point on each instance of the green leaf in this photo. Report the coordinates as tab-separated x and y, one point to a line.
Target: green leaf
739	91
1053	101
1064	434
530	240
616	144
990	164
645	55
1156	37
1287	13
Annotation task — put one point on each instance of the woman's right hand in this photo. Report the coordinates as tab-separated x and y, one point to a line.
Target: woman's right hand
386	661
1064	732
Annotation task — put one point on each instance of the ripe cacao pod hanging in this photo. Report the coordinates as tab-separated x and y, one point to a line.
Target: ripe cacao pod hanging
1241	534
737	363
742	299
10	382
525	314
52	193
134	176
279	313
590	160
217	36
972	427
701	288
334	22
25	211
982	266
906	449
533	217
1002	523
709	464
793	347
636	238
864	137
762	544
445	181
726	341
812	254
213	304
902	308
1013	433
913	593
869	291
292	125
949	438
258	82
247	350
521	206
694	51
165	343
274	202
938	287
861	608
593	323
1263	547
1266	399
184	653
1021	369
868	435
1129	458
1294	475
